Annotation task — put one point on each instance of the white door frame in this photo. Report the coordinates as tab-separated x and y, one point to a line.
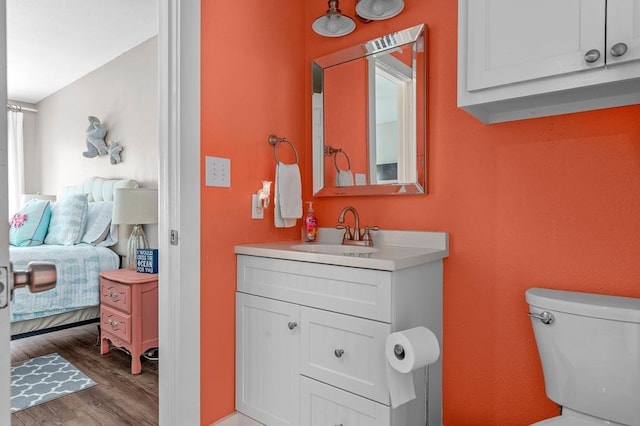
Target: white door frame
179	199
5	319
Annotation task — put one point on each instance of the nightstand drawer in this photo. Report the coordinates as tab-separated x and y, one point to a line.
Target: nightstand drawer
116	323
116	295
344	351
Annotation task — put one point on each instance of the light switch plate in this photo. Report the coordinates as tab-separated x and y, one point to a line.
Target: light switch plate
217	172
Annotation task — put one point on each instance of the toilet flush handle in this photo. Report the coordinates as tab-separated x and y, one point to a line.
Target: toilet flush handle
544	316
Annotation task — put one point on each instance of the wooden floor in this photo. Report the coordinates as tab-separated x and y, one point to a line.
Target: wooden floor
119	398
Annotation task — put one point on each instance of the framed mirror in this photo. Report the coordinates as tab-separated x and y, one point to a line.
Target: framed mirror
369	117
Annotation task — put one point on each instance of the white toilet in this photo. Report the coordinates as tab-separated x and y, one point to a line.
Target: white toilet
589	345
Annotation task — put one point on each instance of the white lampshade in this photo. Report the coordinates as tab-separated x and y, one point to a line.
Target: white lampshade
333	23
135	206
377	10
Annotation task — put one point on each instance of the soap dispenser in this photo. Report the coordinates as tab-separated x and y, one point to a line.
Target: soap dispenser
310	225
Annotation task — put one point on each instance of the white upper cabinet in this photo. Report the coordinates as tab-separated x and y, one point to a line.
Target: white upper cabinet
530	58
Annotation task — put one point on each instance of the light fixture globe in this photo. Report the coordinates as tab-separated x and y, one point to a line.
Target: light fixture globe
377	10
333	23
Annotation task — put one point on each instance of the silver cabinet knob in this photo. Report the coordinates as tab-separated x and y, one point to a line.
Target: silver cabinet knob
338	353
618	49
592	56
292	325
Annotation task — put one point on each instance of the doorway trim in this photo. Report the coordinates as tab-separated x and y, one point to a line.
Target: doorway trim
179	211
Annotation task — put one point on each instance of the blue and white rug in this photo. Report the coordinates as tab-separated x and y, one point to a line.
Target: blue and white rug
44	378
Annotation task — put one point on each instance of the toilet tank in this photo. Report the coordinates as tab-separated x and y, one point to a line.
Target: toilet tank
590	353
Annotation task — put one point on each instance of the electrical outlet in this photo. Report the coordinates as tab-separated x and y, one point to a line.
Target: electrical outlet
257	212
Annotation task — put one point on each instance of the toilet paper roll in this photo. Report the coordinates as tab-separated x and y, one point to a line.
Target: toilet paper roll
406	351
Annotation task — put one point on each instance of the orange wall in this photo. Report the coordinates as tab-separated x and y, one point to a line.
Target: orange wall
551	202
252	81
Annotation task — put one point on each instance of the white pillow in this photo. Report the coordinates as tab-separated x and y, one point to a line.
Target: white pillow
98	222
68	220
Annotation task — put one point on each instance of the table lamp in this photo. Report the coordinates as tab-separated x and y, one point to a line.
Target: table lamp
137	207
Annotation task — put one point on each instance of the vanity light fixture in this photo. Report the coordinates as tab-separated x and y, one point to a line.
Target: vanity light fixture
377	10
334	24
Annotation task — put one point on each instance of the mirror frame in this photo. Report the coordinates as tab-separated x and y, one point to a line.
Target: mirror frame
415	36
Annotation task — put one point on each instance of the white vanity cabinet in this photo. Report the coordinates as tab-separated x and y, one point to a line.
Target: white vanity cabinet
311	336
529	58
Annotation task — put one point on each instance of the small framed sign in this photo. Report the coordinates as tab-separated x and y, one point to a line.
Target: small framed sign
147	261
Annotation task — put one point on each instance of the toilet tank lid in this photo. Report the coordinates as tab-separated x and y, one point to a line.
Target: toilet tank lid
587	304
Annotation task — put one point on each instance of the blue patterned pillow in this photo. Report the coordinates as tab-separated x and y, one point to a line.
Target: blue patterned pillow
68	220
29	225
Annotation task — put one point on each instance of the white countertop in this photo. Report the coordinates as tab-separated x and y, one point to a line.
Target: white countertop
394	250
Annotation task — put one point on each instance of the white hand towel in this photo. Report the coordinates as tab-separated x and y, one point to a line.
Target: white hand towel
288	195
344	178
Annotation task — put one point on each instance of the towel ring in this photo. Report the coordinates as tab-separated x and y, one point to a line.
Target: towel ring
331	151
274	141
335	159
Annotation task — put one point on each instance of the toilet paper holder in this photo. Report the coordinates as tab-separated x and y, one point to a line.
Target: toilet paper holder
398	351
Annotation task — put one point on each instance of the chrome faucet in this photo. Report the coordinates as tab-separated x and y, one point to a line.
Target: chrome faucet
356	237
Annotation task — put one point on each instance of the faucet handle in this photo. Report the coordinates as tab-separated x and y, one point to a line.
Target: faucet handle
347	232
367	236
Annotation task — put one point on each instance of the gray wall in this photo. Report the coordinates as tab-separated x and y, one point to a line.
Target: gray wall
123	94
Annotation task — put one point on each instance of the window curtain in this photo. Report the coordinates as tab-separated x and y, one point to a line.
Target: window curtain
15	154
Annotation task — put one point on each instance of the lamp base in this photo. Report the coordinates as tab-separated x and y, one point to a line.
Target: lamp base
137	240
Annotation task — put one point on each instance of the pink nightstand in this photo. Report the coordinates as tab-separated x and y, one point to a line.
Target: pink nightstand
129	312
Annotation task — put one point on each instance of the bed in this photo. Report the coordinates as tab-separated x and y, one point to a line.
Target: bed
80	249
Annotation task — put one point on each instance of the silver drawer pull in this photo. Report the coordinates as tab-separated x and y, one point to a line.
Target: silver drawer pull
113	296
338	353
113	323
545	317
292	325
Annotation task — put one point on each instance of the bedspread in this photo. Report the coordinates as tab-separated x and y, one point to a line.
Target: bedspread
78	284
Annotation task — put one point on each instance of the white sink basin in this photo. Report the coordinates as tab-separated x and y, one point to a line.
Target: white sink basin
333	248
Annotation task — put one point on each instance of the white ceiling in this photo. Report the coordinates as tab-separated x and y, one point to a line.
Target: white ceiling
52	43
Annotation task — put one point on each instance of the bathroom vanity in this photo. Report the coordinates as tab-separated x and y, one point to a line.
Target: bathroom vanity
312	320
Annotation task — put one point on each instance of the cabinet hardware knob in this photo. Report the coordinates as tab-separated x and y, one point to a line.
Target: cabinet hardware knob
292	325
618	49
592	56
113	296
113	323
338	353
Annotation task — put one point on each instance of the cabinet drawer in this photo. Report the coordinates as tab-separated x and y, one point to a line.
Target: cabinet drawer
322	405
116	295
361	292
116	323
345	351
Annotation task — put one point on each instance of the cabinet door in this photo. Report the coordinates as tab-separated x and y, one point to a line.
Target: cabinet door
519	40
623	31
267	365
